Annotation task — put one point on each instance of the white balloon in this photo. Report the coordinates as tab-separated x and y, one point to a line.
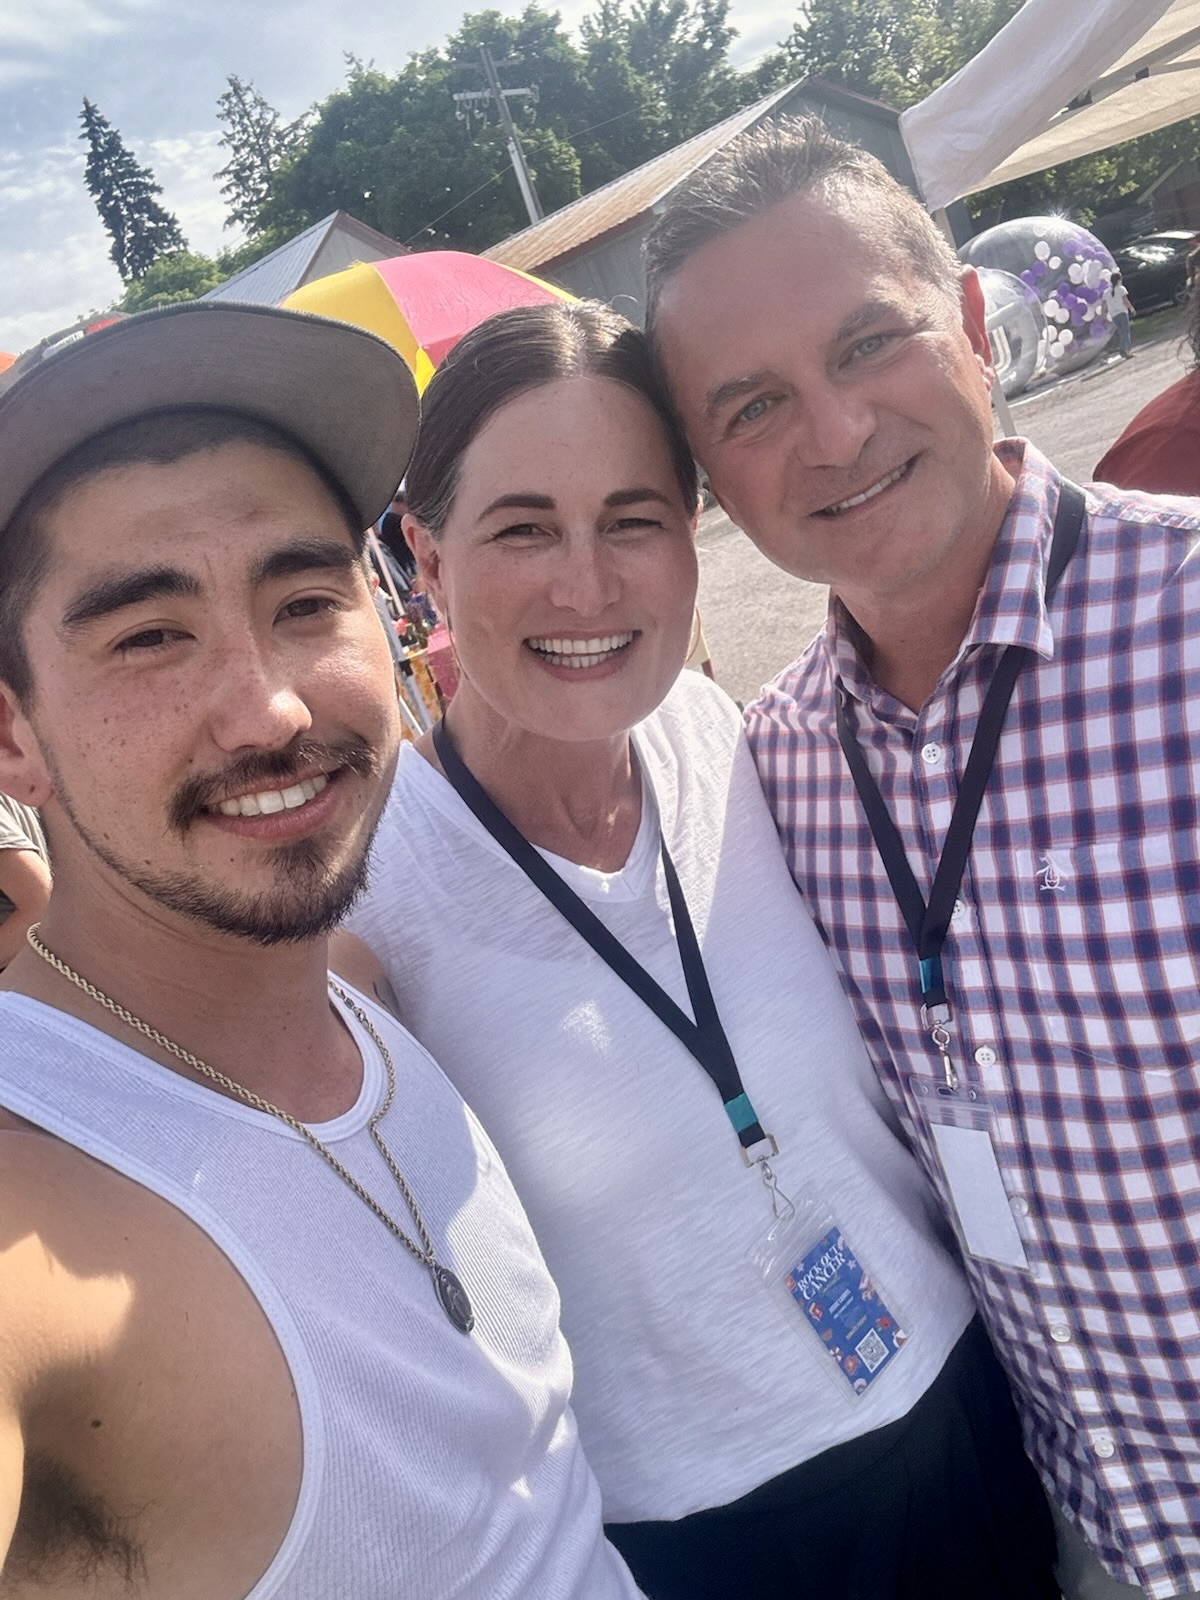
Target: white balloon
1075	272
1042	250
1054	263
1066	337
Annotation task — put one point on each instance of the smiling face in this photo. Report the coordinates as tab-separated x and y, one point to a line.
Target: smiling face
213	722
567	563
838	401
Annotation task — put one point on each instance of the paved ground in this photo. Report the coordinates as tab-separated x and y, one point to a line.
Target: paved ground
757	619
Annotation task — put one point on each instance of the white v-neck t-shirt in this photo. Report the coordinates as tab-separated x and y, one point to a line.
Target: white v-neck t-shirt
693	1385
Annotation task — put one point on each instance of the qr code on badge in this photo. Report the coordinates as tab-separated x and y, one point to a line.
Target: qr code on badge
872	1351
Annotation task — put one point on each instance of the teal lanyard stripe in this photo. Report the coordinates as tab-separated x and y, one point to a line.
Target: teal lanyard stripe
741	1113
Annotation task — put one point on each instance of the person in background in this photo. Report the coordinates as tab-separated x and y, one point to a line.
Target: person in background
24	874
1160	449
1120	308
775	1355
1009	890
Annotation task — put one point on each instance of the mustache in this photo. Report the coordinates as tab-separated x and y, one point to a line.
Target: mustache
269	769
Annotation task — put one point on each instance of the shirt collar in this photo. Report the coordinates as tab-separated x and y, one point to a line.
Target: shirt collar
1011	608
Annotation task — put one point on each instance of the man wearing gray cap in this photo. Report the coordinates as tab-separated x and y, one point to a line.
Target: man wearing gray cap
272	1322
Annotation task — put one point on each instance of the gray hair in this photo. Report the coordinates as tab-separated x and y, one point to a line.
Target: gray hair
769	164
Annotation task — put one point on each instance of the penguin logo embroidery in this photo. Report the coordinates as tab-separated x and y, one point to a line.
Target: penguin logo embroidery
1051	876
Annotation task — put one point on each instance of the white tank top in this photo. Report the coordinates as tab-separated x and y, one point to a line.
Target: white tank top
435	1465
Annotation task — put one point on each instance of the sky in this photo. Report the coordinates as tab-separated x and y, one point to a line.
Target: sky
155	68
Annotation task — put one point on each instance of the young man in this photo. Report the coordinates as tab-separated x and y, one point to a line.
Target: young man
271	1319
1036	1027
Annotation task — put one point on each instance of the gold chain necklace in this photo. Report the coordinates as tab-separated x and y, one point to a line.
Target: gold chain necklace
452	1297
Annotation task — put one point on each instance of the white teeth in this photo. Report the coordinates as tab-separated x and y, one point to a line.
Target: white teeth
869	494
269	801
580	652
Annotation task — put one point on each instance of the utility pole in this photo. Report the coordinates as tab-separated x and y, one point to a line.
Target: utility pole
501	97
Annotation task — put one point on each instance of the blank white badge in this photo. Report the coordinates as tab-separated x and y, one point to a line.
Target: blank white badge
973	1173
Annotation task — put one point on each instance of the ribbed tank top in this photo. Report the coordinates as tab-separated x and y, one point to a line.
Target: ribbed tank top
434	1465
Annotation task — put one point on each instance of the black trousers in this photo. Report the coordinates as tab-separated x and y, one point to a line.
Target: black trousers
941	1505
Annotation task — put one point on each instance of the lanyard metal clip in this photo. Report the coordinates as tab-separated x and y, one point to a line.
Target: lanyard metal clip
781	1204
758	1152
935	1018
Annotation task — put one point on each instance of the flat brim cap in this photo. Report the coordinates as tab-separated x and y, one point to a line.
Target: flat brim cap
345	394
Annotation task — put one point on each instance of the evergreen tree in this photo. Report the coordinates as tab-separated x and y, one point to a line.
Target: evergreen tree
140	229
257	142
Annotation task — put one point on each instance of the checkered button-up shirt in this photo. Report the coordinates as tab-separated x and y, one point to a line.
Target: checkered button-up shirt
1073	965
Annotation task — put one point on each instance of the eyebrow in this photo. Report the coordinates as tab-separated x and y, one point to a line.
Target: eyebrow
304	555
527	500
119	591
521	499
732	389
870	311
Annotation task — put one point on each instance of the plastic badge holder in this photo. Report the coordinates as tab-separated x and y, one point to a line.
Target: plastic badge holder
960	1123
812	1270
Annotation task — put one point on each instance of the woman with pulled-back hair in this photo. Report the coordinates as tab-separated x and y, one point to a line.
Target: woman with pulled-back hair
580	902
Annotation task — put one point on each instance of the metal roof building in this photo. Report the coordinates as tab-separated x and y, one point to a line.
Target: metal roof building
336	242
593	246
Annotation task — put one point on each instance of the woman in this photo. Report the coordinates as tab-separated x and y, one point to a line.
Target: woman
755	1411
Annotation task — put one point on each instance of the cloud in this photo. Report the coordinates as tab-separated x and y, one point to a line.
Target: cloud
155	68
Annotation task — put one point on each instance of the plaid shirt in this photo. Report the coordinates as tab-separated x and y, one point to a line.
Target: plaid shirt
1073	965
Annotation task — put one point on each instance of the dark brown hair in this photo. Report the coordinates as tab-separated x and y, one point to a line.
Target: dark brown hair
511	353
769	164
160	439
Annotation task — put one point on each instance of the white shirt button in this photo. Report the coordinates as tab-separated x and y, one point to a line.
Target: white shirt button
985	1056
1060	1333
931	754
1019	1205
961	911
1104	1445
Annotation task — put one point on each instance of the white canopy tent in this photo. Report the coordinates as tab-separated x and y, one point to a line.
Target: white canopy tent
1120	68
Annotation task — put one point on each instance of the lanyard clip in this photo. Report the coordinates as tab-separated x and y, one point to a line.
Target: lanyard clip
935	1018
781	1205
764	1154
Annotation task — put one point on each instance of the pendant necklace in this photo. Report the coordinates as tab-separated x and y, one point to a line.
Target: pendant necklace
451	1295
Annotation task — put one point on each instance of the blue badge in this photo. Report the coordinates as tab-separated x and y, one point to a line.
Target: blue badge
845	1312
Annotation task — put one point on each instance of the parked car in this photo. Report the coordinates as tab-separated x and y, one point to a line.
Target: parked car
1154	268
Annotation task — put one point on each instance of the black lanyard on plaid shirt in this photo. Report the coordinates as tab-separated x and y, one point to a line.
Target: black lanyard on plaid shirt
705	1038
929	924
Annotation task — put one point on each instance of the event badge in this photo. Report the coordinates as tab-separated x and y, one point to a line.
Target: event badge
960	1125
811	1268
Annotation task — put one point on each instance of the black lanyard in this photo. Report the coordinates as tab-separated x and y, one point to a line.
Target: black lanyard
928	924
705	1037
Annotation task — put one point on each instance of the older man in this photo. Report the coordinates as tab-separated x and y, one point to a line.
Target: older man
999	644
272	1321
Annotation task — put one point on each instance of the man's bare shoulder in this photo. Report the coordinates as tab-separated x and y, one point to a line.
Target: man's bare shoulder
351	959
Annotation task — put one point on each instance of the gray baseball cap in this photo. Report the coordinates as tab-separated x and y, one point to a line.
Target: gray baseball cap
345	394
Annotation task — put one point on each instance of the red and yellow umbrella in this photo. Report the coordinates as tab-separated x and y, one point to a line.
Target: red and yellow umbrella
422	304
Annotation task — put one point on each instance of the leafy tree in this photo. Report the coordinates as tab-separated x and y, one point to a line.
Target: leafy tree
1092	185
140	229
257	143
179	276
896	50
395	150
